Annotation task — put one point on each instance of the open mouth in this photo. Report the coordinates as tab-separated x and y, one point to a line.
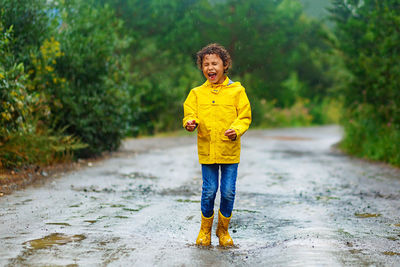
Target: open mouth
212	75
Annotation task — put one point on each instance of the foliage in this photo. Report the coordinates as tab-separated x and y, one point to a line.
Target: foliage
23	138
270	42
16	104
163	88
368	37
41	147
366	136
30	23
90	87
102	69
272	116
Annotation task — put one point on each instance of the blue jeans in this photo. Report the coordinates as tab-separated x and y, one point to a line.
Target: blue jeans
210	187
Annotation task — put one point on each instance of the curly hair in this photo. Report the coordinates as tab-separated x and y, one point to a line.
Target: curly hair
216	49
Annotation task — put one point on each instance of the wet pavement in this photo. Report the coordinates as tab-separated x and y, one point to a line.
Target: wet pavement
299	203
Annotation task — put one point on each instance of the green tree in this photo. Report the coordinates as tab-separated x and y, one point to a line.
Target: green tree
94	100
24	138
30	22
268	40
368	36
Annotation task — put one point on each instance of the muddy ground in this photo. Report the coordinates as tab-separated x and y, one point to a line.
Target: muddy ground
299	203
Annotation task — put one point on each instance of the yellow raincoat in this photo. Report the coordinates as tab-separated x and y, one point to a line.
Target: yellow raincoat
217	108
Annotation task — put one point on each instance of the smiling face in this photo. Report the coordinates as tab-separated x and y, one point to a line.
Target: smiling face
213	68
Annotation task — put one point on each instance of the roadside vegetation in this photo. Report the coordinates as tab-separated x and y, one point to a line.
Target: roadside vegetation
76	77
368	39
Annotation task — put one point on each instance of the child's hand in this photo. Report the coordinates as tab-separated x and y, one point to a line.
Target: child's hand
191	125
231	134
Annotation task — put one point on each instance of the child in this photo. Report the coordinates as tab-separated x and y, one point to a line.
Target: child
220	110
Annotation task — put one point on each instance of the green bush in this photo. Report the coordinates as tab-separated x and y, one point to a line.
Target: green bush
40	147
16	104
93	99
24	139
76	80
367	137
368	37
271	116
31	26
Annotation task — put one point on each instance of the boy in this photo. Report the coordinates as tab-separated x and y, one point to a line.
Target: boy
220	110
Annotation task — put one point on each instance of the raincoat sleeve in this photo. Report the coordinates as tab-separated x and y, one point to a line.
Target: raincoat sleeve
243	120
190	108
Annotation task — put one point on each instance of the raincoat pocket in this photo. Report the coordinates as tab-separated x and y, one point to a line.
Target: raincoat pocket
203	144
229	147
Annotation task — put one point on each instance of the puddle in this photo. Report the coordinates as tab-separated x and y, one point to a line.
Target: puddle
290	154
117	206
367	215
184	190
326	198
133	210
288	138
138	175
54	239
345	233
188	201
391	253
244	210
91	221
76	205
92	188
58	223
355	251
121	217
24	202
139	208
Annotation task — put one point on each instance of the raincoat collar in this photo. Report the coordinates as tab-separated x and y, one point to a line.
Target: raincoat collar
215	88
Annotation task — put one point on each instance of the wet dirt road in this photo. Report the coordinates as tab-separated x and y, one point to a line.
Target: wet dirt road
298	203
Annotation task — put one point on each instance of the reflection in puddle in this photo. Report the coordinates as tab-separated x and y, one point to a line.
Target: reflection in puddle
188	201
355	251
90	221
391	253
139	175
245	210
117	206
121	217
76	205
288	138
326	198
24	202
367	215
59	223
54	239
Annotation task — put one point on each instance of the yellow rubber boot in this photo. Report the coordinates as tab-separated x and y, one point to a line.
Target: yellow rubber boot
204	237
225	239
